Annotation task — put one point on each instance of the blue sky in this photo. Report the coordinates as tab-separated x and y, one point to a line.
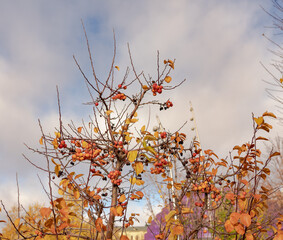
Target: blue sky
218	46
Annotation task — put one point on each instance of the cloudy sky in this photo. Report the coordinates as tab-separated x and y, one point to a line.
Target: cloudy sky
218	47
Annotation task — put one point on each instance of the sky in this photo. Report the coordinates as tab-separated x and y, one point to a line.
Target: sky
218	47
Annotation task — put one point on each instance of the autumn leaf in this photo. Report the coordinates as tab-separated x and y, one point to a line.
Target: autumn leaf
96	129
132	155
145	87
122	198
259	120
246	219
249	236
124	237
41	141
17	222
149	220
76	194
234	217
98	224
149	138
57	169
240	229
80	129
119	210
139	167
45	212
177	230
140	194
170	215
229	226
117	68
230	196
109	112
269	114
139	182
168	79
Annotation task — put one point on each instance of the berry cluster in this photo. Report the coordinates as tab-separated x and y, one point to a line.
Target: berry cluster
121	86
62	144
120	96
163	135
156	89
169	104
159	166
114	175
166	105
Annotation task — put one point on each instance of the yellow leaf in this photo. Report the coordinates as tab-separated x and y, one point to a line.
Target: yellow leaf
143	129
168	79
57	134
145	87
170	215
41	141
122	198
150	138
135	114
61	191
78	176
156	134
17	222
187	210
139	182
109	112
281	80
117	68
119	210
133	180
259	120
80	129
96	129
138	167
76	194
132	155
149	220
57	170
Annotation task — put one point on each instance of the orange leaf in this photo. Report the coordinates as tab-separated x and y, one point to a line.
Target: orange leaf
76	194
230	196
234	217
98	224
168	79
124	237
269	114
177	230
240	229
119	210
80	129
17	222
246	219
139	193
122	198
45	212
41	141
229	226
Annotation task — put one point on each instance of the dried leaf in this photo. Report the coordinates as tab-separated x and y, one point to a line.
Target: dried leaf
269	114
80	129
240	229
117	68
41	141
